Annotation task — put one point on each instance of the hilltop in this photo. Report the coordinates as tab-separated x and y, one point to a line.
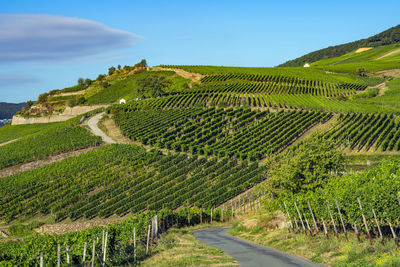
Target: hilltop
390	36
7	110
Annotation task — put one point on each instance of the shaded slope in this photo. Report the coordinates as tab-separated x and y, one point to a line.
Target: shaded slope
390	36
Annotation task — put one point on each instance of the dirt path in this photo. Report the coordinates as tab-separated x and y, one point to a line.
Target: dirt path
39	163
8	142
194	77
71	93
389	54
247	253
92	123
109	127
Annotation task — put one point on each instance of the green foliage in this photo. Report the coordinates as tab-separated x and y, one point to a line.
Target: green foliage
217	132
7	110
119	242
111	70
81	81
141	64
43	98
387	37
10	132
42	144
119	179
304	167
153	85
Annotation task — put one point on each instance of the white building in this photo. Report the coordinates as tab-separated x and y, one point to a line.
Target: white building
306	65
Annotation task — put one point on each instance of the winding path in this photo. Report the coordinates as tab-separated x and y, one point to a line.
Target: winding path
247	253
92	123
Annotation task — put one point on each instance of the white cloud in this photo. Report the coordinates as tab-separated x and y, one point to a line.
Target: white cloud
41	37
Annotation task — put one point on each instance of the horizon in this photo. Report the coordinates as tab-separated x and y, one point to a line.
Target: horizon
45	45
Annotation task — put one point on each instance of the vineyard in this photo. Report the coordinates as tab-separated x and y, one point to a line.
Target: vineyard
119	179
366	131
42	144
125	243
240	133
365	203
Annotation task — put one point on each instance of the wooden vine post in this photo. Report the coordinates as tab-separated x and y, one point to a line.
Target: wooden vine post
105	250
148	240
341	219
356	232
58	255
67	249
288	216
365	221
93	252
378	225
301	220
313	217
333	221
393	233
41	259
325	229
84	254
134	244
308	225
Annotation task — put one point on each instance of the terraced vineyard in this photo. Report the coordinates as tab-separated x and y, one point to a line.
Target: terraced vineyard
364	131
119	179
240	133
42	144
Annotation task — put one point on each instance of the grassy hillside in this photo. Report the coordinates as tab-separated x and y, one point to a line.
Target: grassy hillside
390	36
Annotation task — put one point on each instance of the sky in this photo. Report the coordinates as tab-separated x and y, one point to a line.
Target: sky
47	45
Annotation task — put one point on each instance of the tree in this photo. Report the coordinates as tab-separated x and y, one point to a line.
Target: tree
119	67
153	85
304	167
100	77
361	71
43	98
111	70
81	81
29	103
88	82
142	64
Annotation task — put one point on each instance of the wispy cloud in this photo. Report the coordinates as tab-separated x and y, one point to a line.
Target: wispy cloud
43	37
15	80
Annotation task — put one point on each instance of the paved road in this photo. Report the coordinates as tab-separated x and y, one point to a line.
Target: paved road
246	253
92	123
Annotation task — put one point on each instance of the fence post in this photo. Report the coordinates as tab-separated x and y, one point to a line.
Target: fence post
308	225
58	255
341	219
93	252
41	259
356	232
288	216
365	221
148	240
301	220
379	227
84	254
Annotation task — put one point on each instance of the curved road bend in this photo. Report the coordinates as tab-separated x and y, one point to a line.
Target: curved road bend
246	253
92	123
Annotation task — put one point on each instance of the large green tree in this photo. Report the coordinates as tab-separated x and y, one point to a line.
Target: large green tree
152	85
305	166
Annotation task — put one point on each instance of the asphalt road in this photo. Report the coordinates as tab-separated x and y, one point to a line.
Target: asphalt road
246	253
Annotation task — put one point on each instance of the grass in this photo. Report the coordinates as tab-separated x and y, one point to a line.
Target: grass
179	247
10	132
126	87
262	229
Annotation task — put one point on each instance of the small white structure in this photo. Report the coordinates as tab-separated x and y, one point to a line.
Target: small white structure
306	65
122	101
138	98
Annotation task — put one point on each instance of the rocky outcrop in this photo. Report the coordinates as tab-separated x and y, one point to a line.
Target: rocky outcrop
67	114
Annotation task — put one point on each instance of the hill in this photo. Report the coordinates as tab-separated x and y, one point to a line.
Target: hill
390	36
7	110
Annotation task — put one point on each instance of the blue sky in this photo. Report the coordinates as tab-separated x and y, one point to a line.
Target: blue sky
39	52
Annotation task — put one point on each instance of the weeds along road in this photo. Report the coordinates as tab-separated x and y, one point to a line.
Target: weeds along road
246	253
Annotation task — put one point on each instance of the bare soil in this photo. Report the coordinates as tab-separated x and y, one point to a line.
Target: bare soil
389	54
39	163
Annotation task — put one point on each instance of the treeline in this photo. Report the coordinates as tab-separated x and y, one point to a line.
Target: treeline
390	36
